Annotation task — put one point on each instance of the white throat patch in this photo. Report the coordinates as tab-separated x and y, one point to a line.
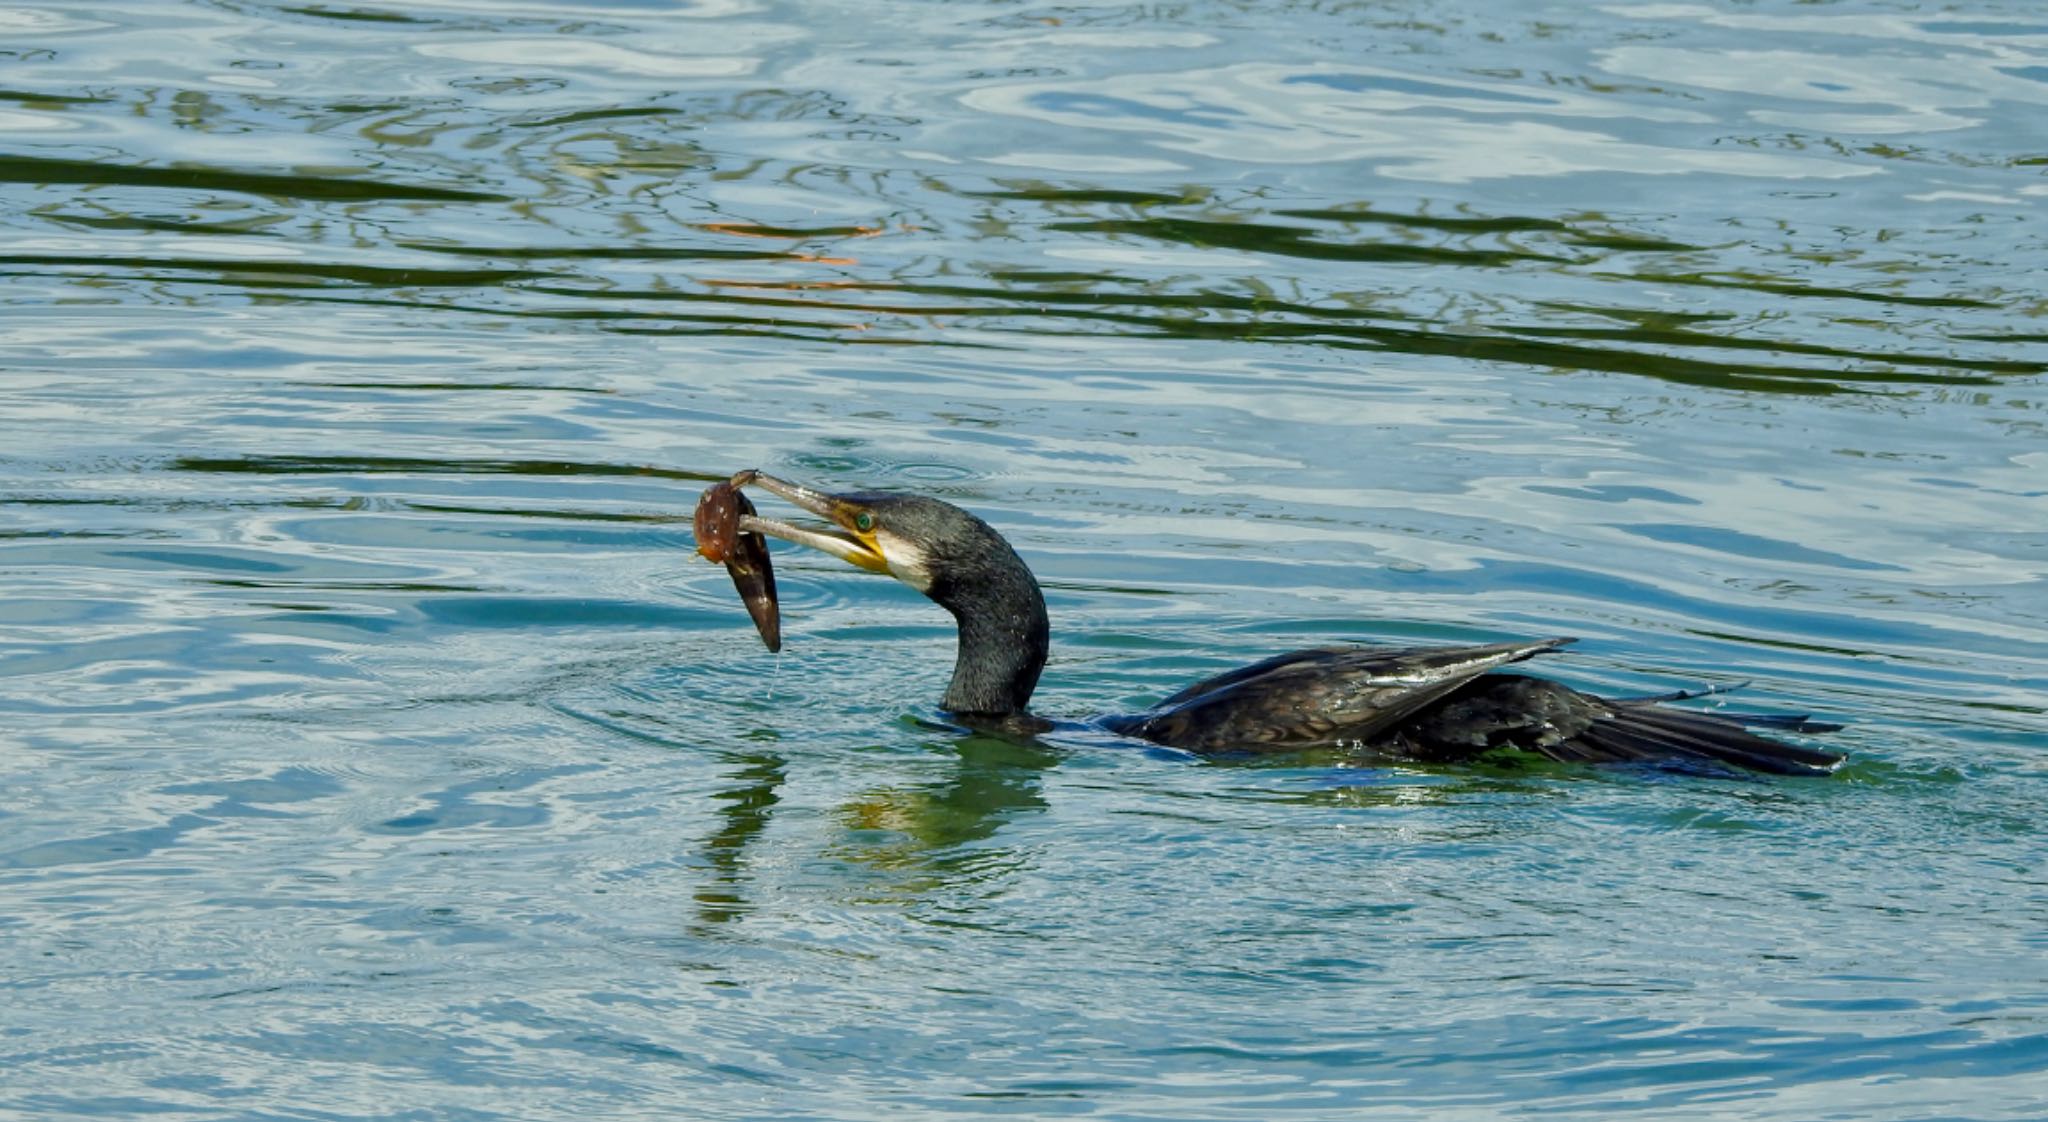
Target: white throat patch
907	562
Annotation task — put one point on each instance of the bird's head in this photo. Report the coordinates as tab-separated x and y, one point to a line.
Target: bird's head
952	557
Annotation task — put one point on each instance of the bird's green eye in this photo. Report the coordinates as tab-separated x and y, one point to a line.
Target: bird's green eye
863	522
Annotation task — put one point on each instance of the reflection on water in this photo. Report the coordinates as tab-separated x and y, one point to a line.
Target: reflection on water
370	720
656	195
743	811
928	831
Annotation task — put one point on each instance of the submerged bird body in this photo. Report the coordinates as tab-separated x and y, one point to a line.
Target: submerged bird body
1438	704
1448	704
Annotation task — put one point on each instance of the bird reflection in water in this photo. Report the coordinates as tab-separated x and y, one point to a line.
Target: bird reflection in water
743	812
929	833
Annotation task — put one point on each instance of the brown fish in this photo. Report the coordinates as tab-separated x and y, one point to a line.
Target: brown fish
718	519
745	555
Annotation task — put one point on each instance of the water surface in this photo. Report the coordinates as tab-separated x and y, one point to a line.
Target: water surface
374	748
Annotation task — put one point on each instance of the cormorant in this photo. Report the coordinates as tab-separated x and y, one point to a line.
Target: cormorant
1437	704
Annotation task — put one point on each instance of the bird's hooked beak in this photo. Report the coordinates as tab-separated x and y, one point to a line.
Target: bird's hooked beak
852	539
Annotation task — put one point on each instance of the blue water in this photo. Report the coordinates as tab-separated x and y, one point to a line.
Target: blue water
372	746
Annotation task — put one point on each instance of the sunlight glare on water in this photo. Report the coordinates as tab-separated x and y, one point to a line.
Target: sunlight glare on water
376	747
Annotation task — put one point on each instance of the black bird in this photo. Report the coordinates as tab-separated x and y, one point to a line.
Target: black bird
1422	703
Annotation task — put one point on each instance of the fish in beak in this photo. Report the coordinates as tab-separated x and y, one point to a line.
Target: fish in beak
865	530
721	512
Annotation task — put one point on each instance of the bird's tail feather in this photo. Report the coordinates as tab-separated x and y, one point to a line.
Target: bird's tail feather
1640	730
1802	722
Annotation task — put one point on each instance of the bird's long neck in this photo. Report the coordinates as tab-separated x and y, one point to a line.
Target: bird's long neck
1004	635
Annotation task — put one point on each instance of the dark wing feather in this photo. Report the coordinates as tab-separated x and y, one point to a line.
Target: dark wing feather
1321	696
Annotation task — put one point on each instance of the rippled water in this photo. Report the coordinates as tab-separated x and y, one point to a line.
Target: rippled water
374	748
